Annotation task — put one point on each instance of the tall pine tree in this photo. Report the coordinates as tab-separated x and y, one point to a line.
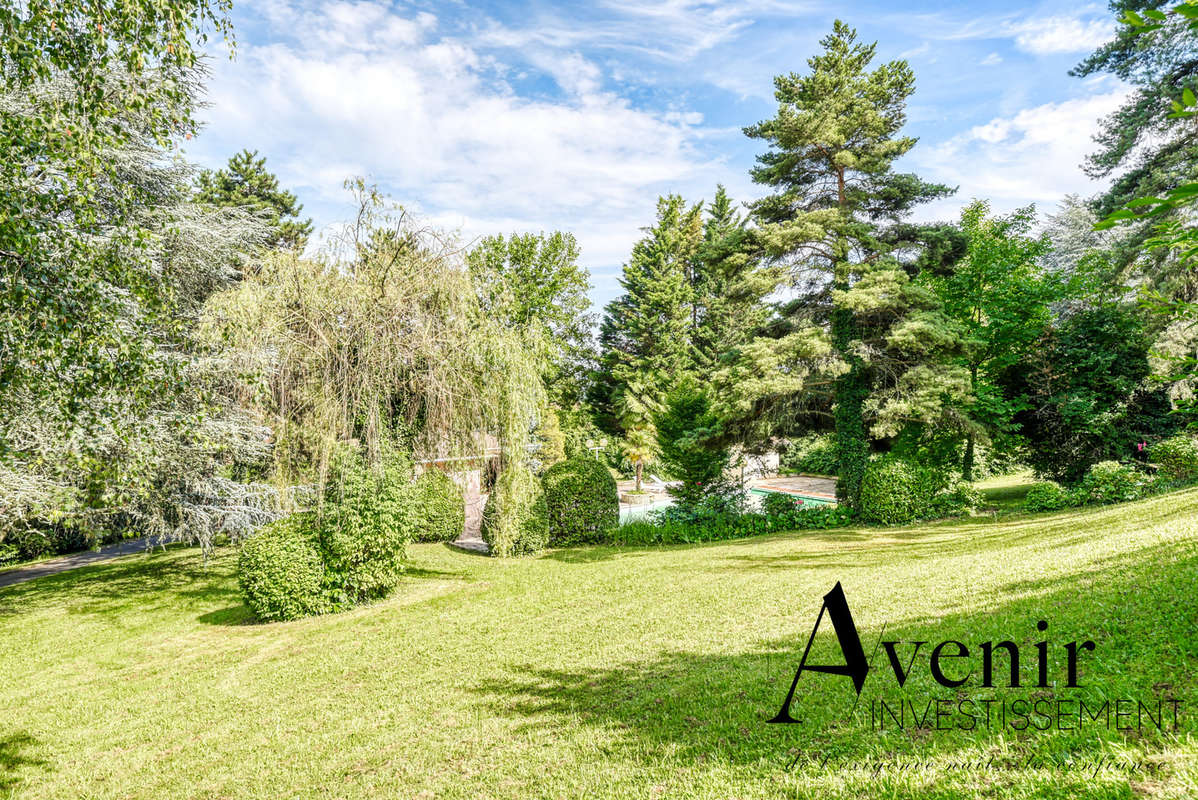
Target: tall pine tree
867	332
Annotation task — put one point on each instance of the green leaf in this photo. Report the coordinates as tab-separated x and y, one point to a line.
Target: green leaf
1188	98
1152	13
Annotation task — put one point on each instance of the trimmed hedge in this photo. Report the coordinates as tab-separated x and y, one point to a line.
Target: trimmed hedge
581	501
281	572
660	528
439	506
516	520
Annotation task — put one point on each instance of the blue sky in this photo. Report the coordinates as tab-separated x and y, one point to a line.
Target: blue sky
494	117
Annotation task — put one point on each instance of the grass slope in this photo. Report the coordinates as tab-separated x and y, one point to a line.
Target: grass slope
599	672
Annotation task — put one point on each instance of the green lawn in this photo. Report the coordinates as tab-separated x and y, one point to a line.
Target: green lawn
600	672
1005	493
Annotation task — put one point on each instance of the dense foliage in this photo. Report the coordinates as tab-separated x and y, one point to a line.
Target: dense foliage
281	572
365	523
716	524
86	85
895	492
581	501
439	510
1176	458
812	454
349	550
516	520
1087	392
1048	496
688	432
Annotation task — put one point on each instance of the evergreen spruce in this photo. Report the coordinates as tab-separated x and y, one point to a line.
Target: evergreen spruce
249	184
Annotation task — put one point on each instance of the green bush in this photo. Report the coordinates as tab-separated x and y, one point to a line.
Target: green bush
439	506
1112	482
581	501
9	554
813	454
366	521
688	431
281	572
34	543
660	528
960	500
895	492
515	519
777	504
1048	496
1176	458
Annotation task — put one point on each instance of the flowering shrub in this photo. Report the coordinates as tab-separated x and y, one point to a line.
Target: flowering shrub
1112	482
1176	458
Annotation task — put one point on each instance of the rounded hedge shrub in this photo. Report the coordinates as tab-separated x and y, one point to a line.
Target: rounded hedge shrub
1048	496
281	572
516	519
1112	482
366	522
581	501
895	492
1176	458
440	509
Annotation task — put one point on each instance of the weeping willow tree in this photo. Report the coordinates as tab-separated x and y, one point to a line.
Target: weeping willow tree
379	339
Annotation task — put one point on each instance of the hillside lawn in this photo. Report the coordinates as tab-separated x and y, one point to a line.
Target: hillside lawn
601	672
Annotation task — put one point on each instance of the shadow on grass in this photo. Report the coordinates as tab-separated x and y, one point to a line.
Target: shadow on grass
689	706
16	755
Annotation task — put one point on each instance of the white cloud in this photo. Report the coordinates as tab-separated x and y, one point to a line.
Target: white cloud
991	60
1049	35
1034	155
358	89
1038	35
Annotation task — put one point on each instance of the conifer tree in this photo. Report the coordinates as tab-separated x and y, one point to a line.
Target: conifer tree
646	332
728	285
866	331
249	184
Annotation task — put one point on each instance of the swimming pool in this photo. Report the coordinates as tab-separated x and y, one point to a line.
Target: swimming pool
810	501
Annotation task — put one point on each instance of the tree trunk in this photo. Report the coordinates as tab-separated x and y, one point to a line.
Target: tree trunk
640	465
852	389
967	462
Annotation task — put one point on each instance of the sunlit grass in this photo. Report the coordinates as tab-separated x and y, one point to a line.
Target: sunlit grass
596	672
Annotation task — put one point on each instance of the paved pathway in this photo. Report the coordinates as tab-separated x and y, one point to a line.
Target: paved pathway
471	539
55	565
799	484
